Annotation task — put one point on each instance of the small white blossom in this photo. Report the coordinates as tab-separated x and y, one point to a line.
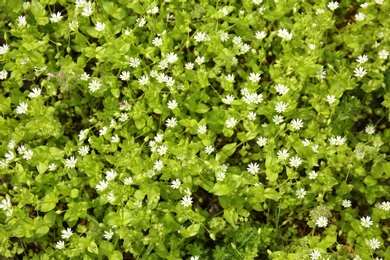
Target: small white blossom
370	130
103	131
362	59
94	85
346	203
285	34
175	184
199	60
301	193
70	162
209	149
385	205
330	99
189	66
108	234
260	35
315	255
322	222
111	197
4	49
251	116
281	89
278	119
73	25
228	99
379	2
60	245
186	201
102	185
125	75
6	204
87	10
115	139
22	108
295	161
143	80
283	154
333	6
56	17
171	122
28	154
202	129
171	57
281	107
374	243
360	17
157	42
158	165
36	92
253	168
360	72
383	54
313	175
52	167
128	181
66	234
230	123
162	149
3	75
262	141
366	222
254	77
224	36
22	21
201	37
296	124
84	150
134	62
172	104
237	40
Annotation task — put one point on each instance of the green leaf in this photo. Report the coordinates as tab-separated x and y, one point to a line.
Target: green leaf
41	231
344	189
231	216
39	12
272	194
93	248
49	202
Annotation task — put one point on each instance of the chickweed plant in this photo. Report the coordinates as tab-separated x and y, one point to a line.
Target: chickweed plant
254	129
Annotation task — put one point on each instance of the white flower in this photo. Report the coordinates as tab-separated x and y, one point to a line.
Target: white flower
141	21
228	99
154	10
201	37
346	203
245	48
254	77
36	92
111	197
186	201
73	25
360	17
158	165
237	40
296	124
110	175
224	36
159	138
366	222
134	62
100	26
284	34
383	54
202	129
230	123
21	150
262	141
56	17
3	74
11	144
94	85
108	234
60	245
125	76
374	243
22	108
194	257
28	154
85	76
379	2
360	72
162	150
306	142
278	119
66	234
176	184
260	35
281	89
364	5
370	130
87	10
189	66
333	6
172	104
84	150
171	122
281	107
128	181
283	154
4	49
163	64
230	78
301	193
171	57
52	167
313	175
312	46
22	21
102	185
115	139
251	116
385	205
322	222
321	74
71	162
209	149
157	41
143	80
253	168
6	204
199	60
295	161
103	131
362	59
330	99
315	255
337	141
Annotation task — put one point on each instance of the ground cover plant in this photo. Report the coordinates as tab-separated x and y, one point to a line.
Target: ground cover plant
194	129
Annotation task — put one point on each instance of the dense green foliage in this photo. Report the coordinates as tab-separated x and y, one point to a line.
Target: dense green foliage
181	130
